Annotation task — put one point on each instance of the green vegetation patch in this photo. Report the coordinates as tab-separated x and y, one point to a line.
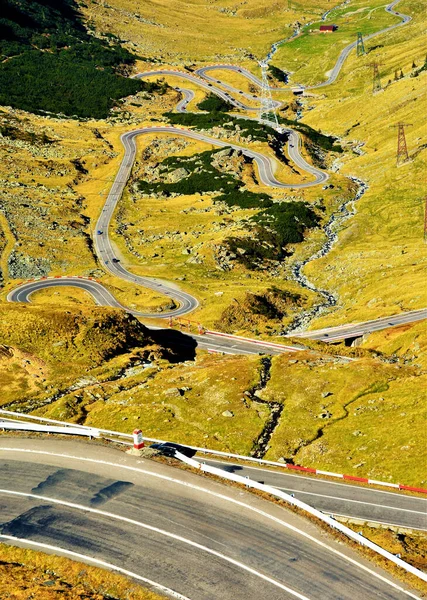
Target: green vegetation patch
213	103
257	310
218	119
272	229
201	176
50	63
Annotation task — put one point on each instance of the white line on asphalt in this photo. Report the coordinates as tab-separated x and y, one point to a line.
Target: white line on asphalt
348	485
168	534
227	499
287	489
358	519
97	562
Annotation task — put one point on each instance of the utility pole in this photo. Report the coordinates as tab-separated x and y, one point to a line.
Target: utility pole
376	81
402	155
360	46
268	114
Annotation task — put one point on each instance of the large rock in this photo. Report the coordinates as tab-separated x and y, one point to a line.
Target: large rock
27	267
177	175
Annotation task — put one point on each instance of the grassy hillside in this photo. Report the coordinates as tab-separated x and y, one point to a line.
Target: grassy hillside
365	417
311	55
171	30
44	350
25	573
378	265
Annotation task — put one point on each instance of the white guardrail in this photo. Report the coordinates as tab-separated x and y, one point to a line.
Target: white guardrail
11	422
96	432
303	506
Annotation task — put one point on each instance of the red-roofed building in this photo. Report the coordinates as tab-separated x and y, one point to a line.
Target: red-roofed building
328	28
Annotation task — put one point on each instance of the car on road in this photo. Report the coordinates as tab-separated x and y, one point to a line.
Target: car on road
99	232
169	449
115	260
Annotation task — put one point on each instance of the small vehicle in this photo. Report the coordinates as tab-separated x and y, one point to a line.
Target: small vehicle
115	260
99	232
169	449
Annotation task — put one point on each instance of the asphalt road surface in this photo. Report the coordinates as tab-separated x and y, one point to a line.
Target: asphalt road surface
359	329
340	499
194	536
103	297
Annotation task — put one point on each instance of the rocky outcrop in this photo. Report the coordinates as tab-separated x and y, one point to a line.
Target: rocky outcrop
22	266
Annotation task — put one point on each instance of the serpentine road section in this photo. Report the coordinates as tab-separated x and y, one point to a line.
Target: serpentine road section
191	538
103	246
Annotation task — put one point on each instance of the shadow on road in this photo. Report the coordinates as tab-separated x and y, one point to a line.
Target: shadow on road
179	346
231	468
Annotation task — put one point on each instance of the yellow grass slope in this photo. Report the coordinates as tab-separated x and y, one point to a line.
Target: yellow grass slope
28	574
171	30
377	268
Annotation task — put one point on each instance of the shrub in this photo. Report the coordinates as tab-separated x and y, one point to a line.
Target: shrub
212	103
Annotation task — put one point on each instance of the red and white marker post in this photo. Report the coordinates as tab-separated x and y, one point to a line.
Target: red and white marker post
138	442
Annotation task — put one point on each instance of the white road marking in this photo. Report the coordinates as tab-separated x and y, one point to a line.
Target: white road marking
306	478
227	499
96	561
168	534
287	489
335	514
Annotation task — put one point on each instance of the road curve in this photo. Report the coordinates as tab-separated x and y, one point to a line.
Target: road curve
200	82
340	499
194	536
266	166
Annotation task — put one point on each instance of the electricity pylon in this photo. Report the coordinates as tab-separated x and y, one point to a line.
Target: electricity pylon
268	114
402	155
376	81
360	46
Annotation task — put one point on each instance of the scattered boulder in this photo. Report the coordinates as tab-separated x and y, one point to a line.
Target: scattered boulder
227	413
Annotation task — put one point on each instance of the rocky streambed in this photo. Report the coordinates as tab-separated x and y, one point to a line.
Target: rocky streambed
346	210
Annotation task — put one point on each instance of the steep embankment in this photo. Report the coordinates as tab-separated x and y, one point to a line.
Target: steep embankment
46	351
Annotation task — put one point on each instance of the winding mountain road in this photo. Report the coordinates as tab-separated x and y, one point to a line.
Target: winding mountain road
266	166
